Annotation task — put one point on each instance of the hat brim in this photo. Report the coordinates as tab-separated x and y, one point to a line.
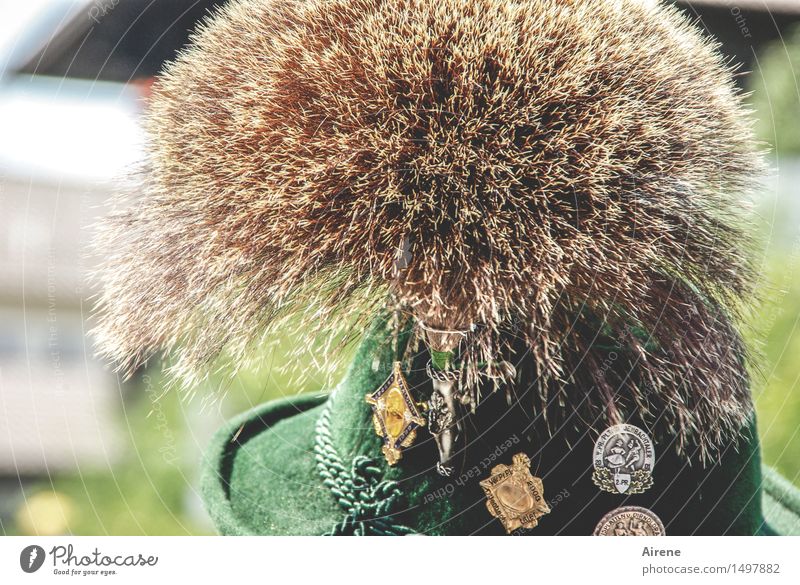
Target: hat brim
260	476
781	503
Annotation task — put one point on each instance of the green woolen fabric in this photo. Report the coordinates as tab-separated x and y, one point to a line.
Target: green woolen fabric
261	474
781	504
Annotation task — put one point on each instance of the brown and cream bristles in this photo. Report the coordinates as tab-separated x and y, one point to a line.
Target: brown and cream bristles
558	172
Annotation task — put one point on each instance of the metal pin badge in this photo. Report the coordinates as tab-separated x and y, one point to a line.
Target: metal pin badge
395	415
630	521
623	460
514	496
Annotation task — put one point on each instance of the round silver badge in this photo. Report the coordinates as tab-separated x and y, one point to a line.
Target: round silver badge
623	460
630	521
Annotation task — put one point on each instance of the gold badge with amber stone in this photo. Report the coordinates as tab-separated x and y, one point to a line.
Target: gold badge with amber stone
395	415
514	496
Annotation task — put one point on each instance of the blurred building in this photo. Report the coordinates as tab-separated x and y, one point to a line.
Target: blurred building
72	79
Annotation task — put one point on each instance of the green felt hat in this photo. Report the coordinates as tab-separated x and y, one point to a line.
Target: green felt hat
312	465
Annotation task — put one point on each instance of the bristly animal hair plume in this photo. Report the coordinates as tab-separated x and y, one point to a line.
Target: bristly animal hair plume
556	171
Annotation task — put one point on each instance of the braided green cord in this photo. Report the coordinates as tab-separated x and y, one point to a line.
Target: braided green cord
366	498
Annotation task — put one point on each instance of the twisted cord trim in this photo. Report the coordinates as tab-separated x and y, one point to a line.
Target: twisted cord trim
366	498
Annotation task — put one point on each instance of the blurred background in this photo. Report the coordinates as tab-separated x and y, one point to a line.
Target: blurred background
82	452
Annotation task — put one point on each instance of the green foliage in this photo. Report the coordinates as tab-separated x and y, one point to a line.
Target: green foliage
777	393
145	491
775	83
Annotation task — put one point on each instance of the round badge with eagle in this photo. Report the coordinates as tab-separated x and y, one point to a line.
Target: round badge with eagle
623	460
